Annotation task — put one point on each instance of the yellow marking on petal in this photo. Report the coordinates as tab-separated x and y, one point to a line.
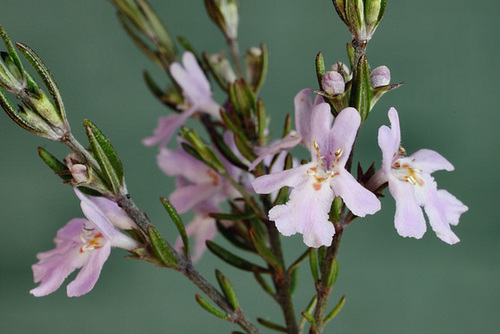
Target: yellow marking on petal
213	176
317	186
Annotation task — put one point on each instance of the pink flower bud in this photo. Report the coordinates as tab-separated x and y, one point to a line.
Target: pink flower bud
381	76
333	83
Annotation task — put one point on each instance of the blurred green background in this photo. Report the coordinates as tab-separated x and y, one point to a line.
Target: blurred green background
446	52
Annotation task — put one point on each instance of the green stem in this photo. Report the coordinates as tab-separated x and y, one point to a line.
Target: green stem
359	51
235	56
323	291
187	269
235	316
282	281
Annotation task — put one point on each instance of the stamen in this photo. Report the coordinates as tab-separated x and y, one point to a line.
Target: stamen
90	240
402	151
405	171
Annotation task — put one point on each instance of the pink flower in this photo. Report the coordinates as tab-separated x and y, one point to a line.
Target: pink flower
196	91
381	76
412	186
81	243
198	188
196	181
303	112
315	184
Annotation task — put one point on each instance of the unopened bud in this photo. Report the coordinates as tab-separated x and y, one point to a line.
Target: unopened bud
225	15
342	69
222	66
361	16
333	83
12	74
78	170
381	76
256	66
45	108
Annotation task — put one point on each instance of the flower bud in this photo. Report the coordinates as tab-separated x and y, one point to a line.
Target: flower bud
381	76
333	83
36	113
10	76
361	16
342	69
225	15
222	66
83	175
256	66
78	170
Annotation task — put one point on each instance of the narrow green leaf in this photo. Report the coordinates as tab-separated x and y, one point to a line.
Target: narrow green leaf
340	8
335	310
232	259
160	248
207	155
383	4
294	279
230	123
230	236
262	122
320	68
224	149
46	77
299	260
11	49
336	208
151	54
313	262
153	86
272	325
17	116
309	318
283	193
309	309
350	55
188	47
232	216
57	166
227	289
208	307
361	89
105	154
355	14
333	272
264	251
190	150
244	147
287	125
264	67
174	215
89	191
321	255
233	99
264	285
161	33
